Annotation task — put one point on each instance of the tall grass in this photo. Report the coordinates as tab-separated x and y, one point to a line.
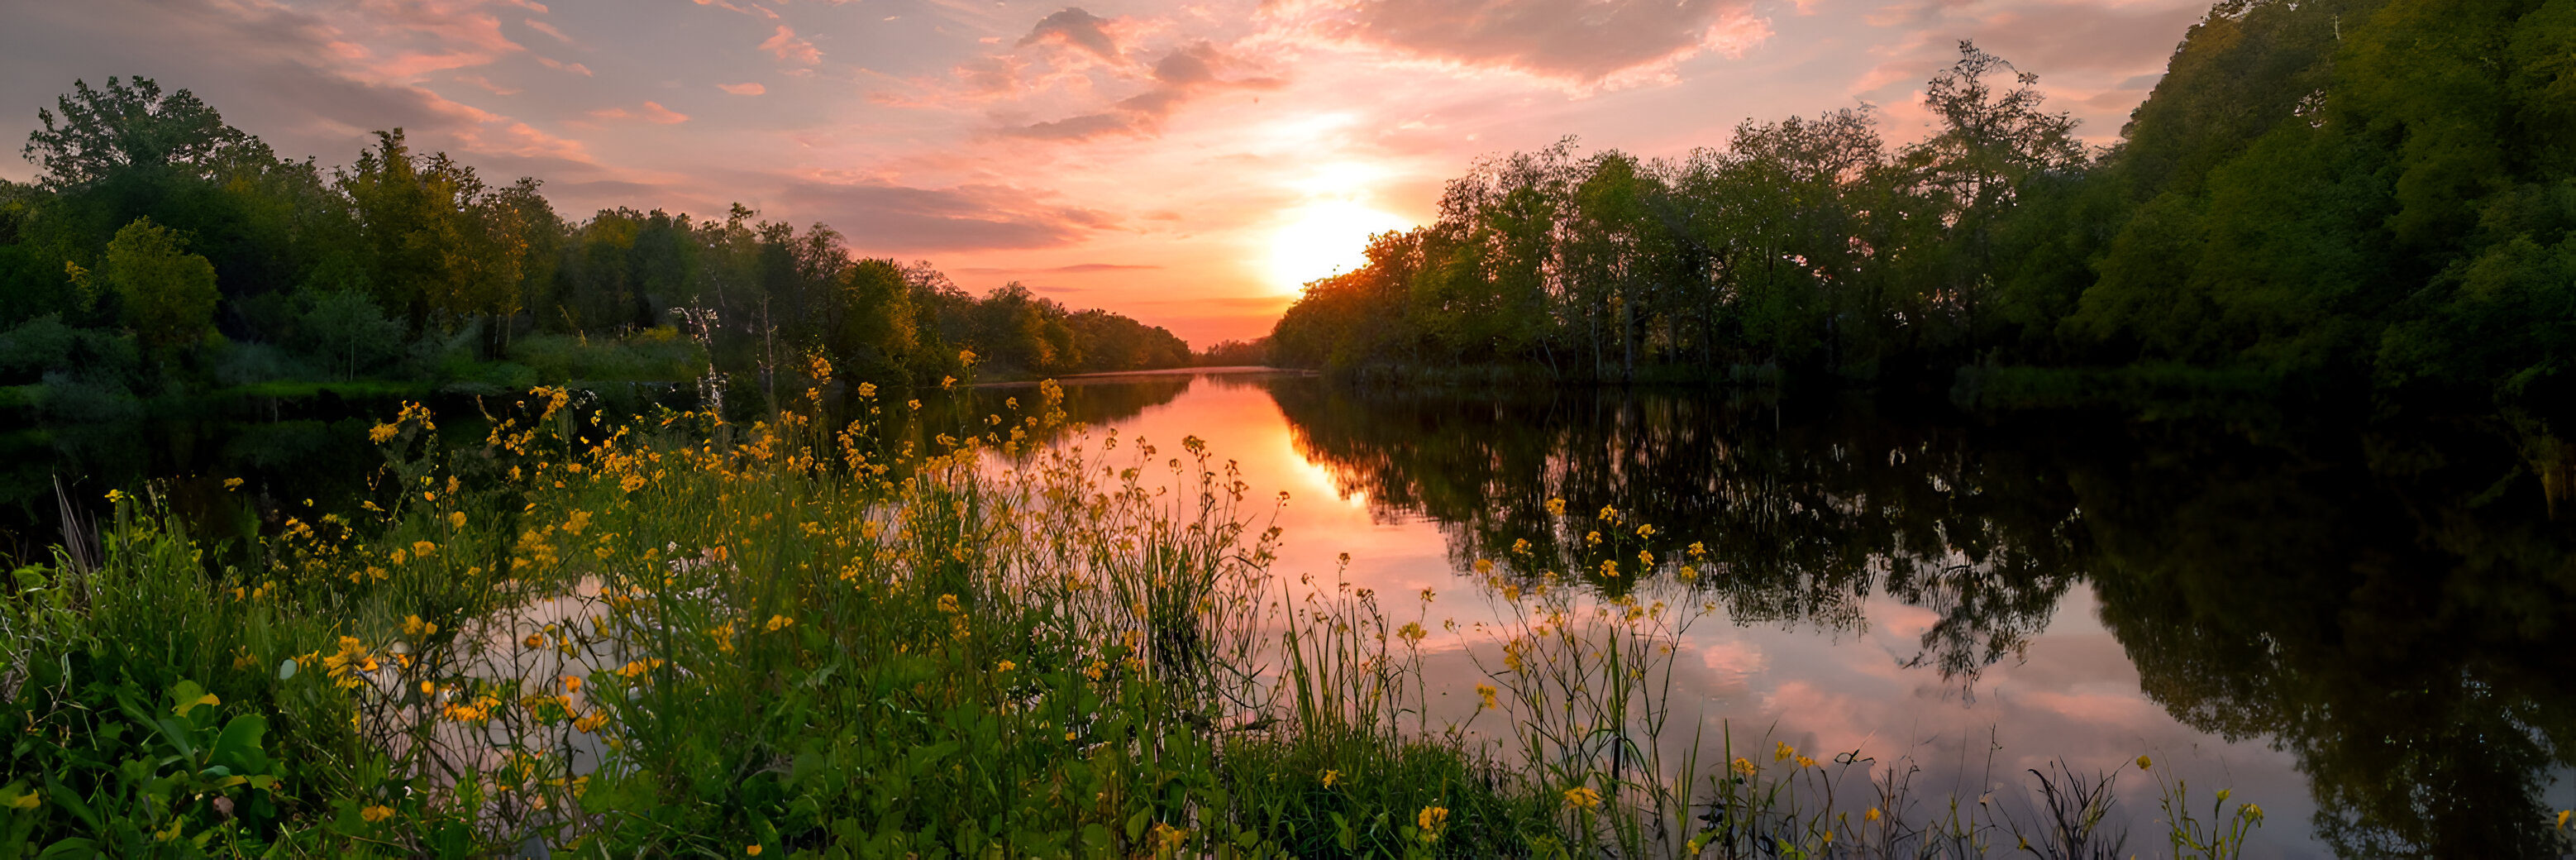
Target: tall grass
675	635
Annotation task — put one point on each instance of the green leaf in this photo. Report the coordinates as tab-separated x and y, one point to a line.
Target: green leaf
186	695
67	848
238	747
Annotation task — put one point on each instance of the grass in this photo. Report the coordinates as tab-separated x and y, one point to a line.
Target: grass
675	636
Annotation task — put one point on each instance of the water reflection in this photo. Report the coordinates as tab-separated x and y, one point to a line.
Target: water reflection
2386	601
2384	604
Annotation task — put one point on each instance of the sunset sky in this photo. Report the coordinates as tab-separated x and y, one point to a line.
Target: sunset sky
1185	162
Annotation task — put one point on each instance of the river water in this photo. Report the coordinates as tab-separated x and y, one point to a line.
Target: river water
2360	621
2359	624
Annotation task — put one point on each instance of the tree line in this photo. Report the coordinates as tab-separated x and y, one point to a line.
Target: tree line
162	247
2354	192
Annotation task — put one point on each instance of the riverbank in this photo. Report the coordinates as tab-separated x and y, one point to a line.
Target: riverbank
678	635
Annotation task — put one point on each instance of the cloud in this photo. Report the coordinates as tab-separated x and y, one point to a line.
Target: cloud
548	29
752	10
1180	76
750	89
788	47
575	68
2052	37
885	216
488	86
1079	30
652	112
1583	42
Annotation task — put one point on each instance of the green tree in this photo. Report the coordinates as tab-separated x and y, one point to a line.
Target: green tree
128	125
876	327
167	294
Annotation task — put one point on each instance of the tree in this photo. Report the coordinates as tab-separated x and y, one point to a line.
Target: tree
132	125
167	295
875	331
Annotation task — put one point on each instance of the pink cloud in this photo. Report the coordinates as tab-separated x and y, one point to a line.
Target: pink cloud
488	86
1080	31
1182	75
1582	42
788	47
750	89
548	29
887	216
652	112
728	6
575	68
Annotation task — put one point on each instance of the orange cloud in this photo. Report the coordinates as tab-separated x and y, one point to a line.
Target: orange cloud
1078	30
1581	42
575	68
1179	77
788	47
750	89
734	7
652	112
548	29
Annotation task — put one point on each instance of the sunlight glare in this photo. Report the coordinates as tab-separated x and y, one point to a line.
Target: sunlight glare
1323	239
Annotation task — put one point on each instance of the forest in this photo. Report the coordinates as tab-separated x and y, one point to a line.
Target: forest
2341	195
163	250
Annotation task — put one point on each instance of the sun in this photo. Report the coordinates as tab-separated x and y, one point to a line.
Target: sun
1325	238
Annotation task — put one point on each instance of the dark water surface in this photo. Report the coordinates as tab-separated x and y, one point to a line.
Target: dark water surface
2362	624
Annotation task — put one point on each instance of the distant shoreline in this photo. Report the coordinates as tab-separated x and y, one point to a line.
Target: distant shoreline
1224	370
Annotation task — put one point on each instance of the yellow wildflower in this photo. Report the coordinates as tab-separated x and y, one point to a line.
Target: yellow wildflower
1432	819
1745	766
382	433
1485	696
1871	815
779	622
376	813
752	849
1582	797
1783	753
2144	763
232	483
1331	777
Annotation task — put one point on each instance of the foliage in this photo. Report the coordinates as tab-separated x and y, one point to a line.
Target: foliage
2350	193
156	217
167	294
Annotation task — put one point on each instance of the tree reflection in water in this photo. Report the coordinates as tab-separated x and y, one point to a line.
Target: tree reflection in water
2388	599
